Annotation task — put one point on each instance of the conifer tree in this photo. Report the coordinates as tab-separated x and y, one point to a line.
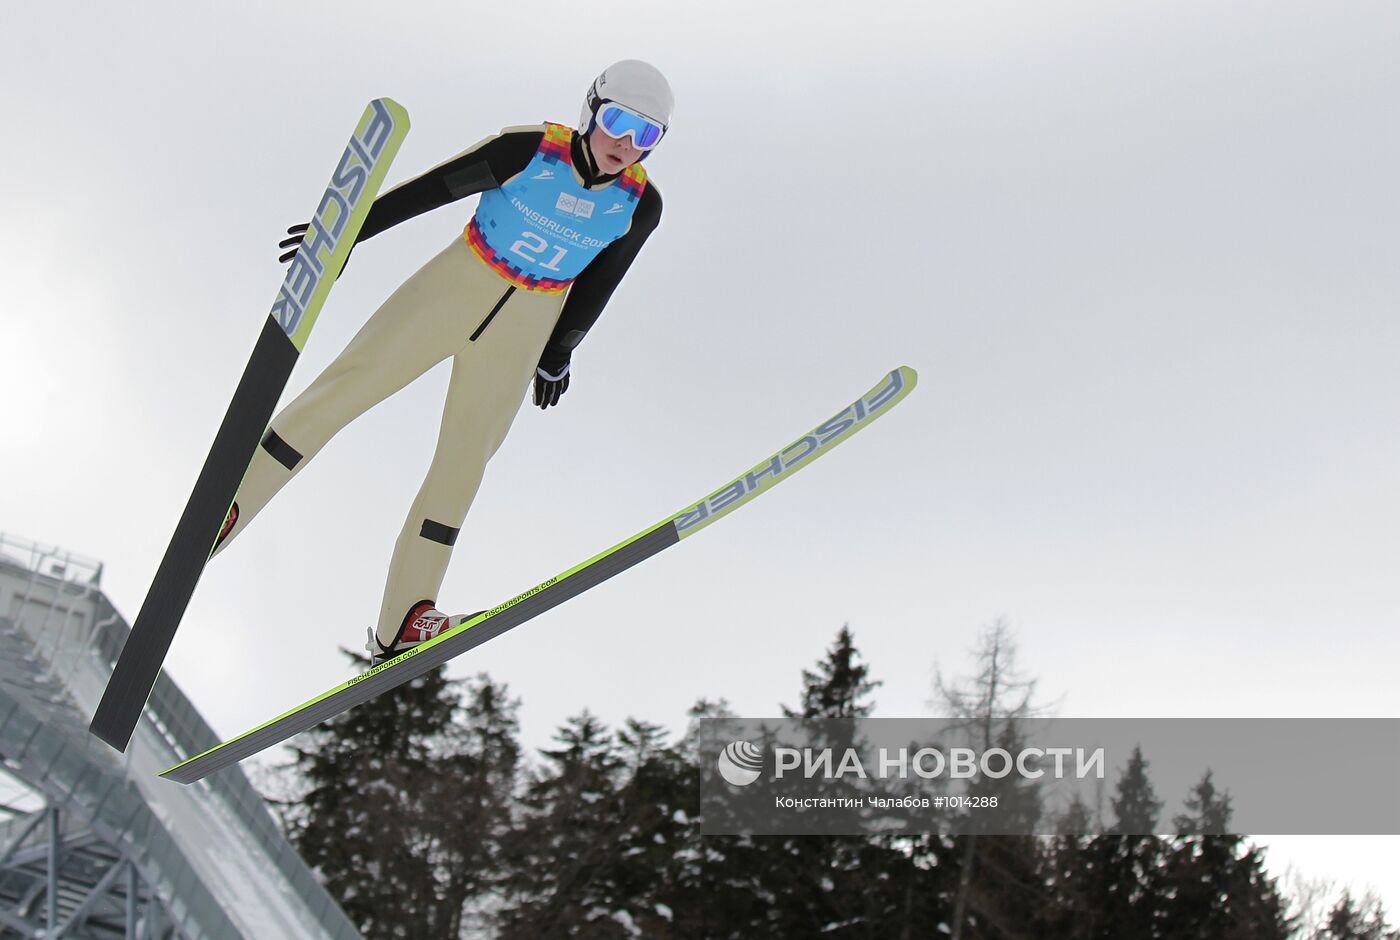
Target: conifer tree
803	886
555	853
1124	896
1218	884
480	771
379	812
1069	873
839	688
818	877
721	884
656	830
1350	919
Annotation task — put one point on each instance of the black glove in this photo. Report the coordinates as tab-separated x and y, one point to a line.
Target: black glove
298	233
551	378
293	245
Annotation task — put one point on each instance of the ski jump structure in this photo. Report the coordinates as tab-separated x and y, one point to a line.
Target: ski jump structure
93	844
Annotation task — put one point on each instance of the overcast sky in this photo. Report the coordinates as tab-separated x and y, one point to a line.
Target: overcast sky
1143	256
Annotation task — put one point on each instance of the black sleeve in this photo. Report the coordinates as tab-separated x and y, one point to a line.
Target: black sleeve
591	290
485	166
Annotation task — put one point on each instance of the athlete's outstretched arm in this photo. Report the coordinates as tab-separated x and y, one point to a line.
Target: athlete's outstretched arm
587	297
483	166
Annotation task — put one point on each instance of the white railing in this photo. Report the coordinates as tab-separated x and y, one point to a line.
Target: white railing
50	560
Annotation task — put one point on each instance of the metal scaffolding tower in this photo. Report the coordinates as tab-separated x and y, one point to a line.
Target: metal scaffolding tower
92	844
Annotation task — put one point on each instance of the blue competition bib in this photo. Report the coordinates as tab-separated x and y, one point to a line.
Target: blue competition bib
542	228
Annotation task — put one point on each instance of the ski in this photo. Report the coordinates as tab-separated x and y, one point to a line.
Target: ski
492	623
334	227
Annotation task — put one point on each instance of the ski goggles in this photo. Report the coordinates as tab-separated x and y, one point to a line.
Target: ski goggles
619	122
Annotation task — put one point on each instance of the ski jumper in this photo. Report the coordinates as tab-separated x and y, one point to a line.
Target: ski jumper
546	247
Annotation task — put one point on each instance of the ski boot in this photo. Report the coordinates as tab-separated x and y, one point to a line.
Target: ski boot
230	521
422	622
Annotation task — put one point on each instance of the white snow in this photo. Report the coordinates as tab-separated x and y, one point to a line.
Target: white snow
628	924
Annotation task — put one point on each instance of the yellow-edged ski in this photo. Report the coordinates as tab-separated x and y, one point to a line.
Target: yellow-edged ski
473	632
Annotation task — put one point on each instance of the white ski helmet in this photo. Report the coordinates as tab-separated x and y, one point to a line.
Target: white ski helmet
633	84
